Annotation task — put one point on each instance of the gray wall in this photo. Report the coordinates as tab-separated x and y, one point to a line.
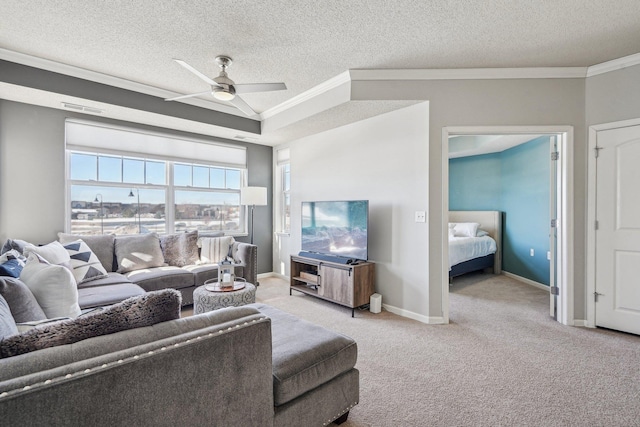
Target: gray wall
613	96
514	102
32	175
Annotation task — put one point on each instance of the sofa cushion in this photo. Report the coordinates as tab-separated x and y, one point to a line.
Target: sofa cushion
7	323
137	252
100	296
140	311
22	303
101	245
84	263
180	249
110	279
305	355
53	286
152	279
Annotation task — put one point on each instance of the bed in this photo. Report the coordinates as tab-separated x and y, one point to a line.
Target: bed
467	254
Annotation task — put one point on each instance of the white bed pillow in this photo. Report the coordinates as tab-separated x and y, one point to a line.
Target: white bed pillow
481	233
466	229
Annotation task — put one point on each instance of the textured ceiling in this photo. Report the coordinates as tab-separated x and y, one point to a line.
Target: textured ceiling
305	43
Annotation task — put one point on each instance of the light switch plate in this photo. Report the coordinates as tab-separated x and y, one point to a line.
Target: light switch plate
421	216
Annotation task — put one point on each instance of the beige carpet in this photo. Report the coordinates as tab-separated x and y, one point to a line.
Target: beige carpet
502	361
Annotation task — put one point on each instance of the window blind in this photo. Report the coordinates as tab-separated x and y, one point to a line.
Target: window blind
98	137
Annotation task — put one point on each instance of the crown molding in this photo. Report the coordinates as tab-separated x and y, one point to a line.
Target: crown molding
94	76
470	73
614	65
323	87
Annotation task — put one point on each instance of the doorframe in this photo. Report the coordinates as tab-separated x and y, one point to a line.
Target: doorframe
565	239
591	212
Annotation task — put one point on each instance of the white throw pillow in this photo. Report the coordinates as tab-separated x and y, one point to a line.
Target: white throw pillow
215	249
84	263
53	253
466	229
53	286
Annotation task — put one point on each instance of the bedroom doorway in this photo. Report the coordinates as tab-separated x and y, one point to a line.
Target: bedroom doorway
559	140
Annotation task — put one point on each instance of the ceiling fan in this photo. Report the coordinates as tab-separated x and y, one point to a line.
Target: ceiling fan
225	89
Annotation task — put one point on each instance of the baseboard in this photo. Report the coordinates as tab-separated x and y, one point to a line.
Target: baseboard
430	320
272	274
582	323
526	281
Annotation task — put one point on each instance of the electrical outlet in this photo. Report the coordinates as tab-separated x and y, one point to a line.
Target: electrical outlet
531	252
421	216
549	255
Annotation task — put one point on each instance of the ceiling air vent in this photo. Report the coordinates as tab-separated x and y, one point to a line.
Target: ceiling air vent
82	108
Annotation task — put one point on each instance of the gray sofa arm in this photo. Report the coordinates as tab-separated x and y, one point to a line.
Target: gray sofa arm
247	254
219	374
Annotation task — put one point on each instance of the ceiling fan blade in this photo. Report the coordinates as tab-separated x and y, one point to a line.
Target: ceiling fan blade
197	73
175	98
258	87
242	106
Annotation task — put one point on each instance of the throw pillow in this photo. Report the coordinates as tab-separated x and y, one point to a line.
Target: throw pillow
84	263
180	249
12	263
53	253
101	245
22	303
215	249
135	312
14	244
138	251
8	325
53	286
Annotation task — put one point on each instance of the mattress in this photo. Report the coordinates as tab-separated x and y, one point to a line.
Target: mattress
463	249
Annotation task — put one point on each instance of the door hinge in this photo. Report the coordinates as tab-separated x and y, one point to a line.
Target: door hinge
554	290
554	223
596	295
555	155
597	150
597	225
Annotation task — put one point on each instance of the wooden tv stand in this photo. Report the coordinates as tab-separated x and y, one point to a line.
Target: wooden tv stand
350	285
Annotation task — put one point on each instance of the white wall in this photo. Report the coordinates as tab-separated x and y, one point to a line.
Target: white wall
385	160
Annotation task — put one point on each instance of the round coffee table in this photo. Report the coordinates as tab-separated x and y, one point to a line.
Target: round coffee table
205	300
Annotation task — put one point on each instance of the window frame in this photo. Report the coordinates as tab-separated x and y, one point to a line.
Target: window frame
169	187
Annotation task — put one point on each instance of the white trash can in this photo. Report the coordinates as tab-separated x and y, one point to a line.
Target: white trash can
375	303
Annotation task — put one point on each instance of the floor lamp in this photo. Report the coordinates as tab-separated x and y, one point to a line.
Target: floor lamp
253	196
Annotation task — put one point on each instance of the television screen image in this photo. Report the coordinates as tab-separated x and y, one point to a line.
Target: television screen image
336	228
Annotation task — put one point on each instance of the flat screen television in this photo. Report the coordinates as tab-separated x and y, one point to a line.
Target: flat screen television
337	228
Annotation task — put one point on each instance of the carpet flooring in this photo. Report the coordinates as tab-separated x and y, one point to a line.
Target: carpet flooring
502	361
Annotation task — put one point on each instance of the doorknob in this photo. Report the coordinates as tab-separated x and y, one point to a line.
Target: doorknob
596	295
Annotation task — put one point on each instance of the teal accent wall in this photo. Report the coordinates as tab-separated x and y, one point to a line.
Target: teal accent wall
516	182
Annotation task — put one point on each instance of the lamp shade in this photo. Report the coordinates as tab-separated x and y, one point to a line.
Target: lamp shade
253	196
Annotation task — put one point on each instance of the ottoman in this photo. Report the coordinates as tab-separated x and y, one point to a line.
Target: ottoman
205	300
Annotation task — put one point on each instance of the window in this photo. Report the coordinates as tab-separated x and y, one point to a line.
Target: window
126	193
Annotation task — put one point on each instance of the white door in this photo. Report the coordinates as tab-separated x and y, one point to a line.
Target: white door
554	196
617	287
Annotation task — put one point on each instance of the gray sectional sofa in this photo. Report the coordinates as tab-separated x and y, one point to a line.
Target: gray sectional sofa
185	278
239	366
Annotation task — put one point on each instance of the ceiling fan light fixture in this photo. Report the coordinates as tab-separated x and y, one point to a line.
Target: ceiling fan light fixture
223	95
